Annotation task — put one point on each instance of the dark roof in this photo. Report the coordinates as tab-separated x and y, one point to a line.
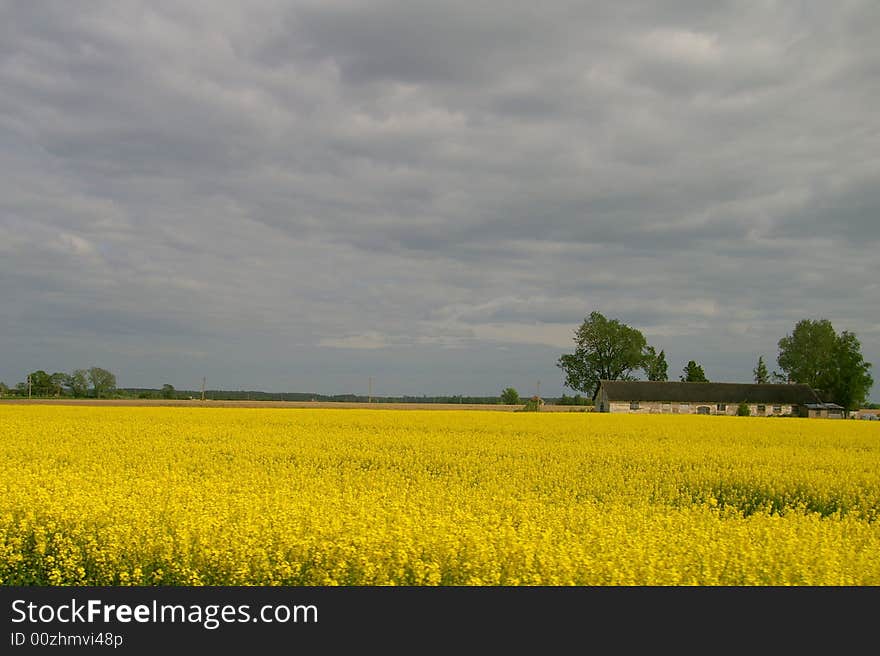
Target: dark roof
824	406
643	390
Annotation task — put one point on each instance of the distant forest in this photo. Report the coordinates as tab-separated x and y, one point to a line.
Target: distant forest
100	383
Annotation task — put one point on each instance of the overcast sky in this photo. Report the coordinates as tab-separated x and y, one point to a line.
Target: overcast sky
296	196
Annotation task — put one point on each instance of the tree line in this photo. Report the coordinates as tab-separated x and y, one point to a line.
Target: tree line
813	354
169	392
93	382
81	384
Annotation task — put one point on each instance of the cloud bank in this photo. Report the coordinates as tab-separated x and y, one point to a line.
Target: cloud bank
296	196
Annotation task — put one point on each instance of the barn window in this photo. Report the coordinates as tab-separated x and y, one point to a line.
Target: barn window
777	409
762	409
703	410
721	407
634	405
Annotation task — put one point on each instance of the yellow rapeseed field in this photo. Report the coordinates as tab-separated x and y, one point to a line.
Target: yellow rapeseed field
190	496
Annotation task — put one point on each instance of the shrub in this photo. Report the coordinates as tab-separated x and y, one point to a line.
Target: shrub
510	397
533	404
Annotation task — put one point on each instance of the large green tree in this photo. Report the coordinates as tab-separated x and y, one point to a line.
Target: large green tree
40	383
693	373
77	382
851	380
814	354
605	349
807	355
57	381
103	382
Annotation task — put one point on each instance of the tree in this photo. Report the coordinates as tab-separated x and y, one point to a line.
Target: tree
656	367
78	383
760	372
510	397
103	382
40	383
743	410
779	378
815	355
4	390
604	350
577	399
693	373
56	382
806	356
850	380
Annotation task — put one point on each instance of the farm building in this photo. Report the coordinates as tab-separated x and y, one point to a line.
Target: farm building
649	397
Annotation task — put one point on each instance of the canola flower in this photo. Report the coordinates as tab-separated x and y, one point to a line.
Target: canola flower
200	496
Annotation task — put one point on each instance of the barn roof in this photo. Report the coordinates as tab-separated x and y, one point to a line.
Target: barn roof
643	390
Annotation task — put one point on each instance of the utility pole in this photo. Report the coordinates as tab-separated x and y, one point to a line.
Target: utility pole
29	387
203	388
370	397
538	393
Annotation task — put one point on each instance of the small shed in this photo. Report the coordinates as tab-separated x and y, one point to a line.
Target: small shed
823	411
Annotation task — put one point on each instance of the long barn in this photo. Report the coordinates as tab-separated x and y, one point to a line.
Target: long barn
650	397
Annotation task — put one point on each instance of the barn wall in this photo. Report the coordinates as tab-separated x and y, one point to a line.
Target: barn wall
768	412
658	407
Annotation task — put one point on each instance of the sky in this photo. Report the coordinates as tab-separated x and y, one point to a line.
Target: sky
299	196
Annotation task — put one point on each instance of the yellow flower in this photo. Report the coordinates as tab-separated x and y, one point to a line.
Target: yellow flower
195	496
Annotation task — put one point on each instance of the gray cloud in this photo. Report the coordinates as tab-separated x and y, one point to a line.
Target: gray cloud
298	195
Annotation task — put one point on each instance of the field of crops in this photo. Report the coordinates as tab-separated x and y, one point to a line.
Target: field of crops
175	496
